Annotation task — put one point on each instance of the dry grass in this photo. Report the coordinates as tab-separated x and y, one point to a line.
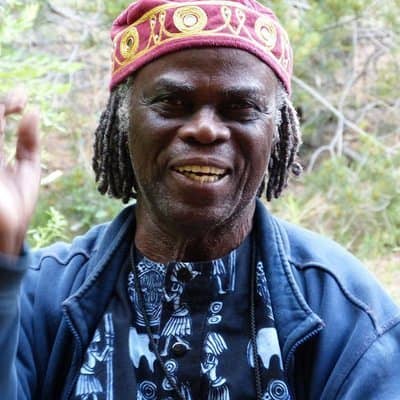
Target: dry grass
387	270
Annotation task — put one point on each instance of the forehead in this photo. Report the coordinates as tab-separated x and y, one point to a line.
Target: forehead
225	68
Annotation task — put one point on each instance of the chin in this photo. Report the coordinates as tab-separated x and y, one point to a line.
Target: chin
199	214
205	217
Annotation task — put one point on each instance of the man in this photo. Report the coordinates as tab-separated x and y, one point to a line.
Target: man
196	292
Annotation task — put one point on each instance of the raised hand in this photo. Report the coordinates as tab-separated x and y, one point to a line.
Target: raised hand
19	178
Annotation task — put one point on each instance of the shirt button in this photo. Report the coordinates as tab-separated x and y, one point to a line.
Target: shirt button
180	349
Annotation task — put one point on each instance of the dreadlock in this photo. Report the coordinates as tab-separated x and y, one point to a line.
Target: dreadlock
112	164
111	159
283	158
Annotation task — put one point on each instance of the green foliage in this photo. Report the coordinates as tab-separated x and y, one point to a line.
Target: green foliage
344	49
16	19
114	8
355	203
52	229
75	196
22	64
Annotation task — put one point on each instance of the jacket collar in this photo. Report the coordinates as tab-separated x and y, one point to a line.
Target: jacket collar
294	319
85	307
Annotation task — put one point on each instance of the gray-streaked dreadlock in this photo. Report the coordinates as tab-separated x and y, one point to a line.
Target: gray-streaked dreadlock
112	163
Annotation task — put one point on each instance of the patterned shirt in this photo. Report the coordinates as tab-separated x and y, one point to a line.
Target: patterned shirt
198	315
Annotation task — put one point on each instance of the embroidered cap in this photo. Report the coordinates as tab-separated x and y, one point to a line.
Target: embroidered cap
148	29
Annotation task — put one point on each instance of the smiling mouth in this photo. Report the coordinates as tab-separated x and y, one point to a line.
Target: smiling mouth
202	174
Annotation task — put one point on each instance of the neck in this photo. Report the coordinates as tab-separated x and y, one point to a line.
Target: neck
165	242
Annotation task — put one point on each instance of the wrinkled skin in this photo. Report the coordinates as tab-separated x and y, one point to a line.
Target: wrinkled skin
192	109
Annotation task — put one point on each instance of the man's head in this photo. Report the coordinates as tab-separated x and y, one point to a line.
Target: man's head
158	32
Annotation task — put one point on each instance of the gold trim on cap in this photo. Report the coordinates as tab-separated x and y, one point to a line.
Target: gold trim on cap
129	43
190	19
266	32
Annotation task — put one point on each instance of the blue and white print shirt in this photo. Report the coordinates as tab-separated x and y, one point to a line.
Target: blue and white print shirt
198	313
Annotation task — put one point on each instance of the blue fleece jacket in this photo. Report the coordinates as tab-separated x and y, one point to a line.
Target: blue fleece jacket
338	330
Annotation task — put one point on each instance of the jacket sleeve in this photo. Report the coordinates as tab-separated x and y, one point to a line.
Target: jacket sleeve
376	376
12	271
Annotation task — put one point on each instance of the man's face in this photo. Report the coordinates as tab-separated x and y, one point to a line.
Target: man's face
202	125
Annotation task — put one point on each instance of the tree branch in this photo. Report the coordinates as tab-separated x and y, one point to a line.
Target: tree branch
329	106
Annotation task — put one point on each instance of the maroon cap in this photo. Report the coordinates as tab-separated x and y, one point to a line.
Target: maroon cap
148	29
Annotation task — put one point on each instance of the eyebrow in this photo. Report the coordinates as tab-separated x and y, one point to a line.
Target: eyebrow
171	85
252	92
175	86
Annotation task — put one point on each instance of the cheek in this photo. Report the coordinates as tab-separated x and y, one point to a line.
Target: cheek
258	152
147	142
139	150
149	130
141	137
259	149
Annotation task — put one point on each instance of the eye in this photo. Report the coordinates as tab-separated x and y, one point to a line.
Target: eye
241	105
241	110
171	100
170	105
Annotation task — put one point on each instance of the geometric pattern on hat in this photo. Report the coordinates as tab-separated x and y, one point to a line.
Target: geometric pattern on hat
148	29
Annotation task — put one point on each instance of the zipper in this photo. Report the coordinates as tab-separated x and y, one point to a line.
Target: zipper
293	349
77	355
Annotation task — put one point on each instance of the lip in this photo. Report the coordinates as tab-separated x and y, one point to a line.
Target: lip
200	170
200	161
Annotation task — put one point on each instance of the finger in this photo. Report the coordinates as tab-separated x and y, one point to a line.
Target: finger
28	142
2	129
15	101
2	119
27	158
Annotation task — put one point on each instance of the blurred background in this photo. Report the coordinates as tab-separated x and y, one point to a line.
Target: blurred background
346	90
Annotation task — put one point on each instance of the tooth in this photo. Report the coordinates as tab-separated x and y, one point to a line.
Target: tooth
217	171
202	178
196	169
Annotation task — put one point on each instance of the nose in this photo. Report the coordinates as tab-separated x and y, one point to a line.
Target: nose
204	127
